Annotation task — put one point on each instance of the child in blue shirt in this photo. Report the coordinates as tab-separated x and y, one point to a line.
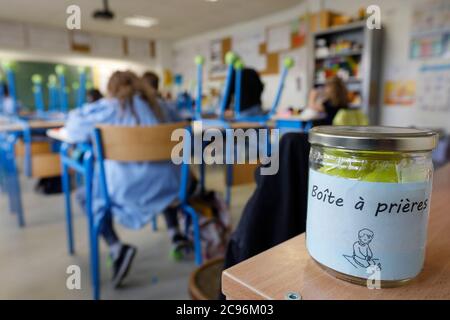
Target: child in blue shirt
168	107
138	191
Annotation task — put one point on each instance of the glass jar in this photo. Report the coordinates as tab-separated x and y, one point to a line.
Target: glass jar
368	202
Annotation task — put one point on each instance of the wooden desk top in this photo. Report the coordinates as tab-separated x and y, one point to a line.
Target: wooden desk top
219	124
34	124
289	268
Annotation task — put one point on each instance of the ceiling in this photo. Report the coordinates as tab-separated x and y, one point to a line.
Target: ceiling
177	18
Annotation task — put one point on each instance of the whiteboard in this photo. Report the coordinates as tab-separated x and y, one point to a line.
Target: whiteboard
48	38
12	34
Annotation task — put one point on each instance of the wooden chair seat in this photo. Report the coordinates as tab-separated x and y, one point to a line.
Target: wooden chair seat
204	283
132	143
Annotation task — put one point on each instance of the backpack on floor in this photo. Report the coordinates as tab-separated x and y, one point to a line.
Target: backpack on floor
48	186
214	221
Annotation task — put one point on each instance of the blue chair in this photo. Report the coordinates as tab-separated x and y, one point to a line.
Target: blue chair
10	177
125	144
234	67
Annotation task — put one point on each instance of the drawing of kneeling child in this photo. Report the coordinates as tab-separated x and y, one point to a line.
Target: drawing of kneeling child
362	253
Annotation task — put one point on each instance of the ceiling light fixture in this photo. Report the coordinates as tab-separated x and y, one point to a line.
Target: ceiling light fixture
140	21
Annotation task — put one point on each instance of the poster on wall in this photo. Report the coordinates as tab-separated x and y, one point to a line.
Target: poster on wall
103	45
279	38
433	93
217	67
430	30
399	92
247	46
299	32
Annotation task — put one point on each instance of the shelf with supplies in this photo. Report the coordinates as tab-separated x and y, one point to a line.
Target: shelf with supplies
340	54
349	81
344	52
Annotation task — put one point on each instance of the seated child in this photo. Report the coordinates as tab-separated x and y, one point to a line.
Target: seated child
168	107
93	95
8	105
329	100
138	191
251	93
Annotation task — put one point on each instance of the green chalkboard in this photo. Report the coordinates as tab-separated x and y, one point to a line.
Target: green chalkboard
24	70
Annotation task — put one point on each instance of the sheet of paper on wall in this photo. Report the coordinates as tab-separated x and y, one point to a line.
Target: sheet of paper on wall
46	38
184	64
400	86
279	38
107	45
12	34
434	88
247	45
217	67
139	48
399	92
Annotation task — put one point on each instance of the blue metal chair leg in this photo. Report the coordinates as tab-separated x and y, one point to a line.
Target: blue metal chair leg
69	225
2	169
155	223
93	227
78	179
18	202
197	243
8	185
95	262
14	186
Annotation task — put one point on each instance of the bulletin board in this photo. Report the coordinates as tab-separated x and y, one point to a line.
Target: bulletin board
217	51
24	70
270	47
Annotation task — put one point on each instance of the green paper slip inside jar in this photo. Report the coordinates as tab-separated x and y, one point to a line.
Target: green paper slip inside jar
374	154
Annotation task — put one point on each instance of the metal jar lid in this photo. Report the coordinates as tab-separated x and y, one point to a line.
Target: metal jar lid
374	138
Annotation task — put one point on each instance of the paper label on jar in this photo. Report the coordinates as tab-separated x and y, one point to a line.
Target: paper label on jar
361	228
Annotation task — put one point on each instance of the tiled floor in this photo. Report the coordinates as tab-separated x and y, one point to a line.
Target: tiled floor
34	260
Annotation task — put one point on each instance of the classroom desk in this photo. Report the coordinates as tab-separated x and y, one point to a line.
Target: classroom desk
295	122
289	268
42	166
33	125
223	124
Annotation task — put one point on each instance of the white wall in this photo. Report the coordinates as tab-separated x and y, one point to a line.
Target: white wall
396	18
199	44
29	42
